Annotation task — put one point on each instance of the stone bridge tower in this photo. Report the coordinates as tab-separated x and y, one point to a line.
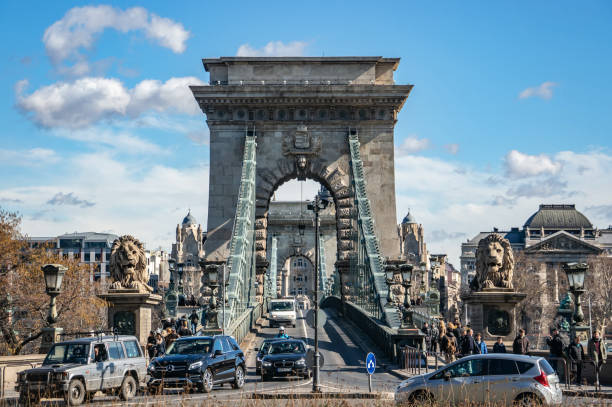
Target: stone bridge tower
301	109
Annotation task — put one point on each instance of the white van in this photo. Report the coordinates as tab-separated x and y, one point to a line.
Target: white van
282	312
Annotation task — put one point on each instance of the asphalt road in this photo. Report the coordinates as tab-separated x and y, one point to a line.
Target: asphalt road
343	371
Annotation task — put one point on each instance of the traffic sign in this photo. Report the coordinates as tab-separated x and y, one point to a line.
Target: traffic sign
371	363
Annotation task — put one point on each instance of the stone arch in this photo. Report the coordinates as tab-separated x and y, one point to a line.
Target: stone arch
307	256
332	177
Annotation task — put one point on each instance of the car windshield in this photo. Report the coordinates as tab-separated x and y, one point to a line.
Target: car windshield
285	347
67	353
190	347
281	306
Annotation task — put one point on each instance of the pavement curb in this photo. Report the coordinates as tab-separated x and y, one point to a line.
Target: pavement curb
317	396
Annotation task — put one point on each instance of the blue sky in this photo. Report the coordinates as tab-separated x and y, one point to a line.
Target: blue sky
510	106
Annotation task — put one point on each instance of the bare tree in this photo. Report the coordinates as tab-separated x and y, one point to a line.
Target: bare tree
598	285
23	301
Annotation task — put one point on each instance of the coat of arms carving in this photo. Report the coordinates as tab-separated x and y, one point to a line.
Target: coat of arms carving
302	146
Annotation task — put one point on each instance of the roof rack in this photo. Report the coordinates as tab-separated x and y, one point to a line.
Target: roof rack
98	333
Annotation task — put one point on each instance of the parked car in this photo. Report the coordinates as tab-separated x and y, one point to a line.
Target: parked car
495	378
77	369
286	357
198	362
263	351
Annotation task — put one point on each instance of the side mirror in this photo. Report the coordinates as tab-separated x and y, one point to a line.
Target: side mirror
218	352
447	375
256	349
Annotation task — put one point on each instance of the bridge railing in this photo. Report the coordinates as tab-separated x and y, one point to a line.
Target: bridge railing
241	260
368	266
270	277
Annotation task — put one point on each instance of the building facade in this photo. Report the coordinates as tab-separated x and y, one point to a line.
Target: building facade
157	266
186	252
91	248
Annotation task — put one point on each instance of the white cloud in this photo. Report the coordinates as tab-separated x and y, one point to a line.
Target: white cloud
121	141
86	101
80	27
542	91
452	148
26	158
522	165
273	49
410	145
129	197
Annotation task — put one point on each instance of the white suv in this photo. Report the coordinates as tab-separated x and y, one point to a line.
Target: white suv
496	378
282	312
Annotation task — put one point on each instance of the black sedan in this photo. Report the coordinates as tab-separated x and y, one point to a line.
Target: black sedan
198	362
263	351
285	358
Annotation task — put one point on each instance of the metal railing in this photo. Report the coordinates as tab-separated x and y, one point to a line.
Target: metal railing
566	372
241	260
270	287
322	270
368	265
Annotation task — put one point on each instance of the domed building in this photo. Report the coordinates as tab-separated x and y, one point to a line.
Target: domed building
187	250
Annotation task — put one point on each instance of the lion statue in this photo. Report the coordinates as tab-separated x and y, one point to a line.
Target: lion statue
128	265
494	263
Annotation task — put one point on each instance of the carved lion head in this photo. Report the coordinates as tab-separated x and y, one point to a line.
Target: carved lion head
128	264
494	263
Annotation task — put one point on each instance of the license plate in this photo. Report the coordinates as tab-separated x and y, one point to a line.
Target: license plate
284	369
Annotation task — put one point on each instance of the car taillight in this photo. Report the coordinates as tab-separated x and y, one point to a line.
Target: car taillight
542	379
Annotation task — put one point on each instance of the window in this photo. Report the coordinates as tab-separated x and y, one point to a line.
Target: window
305	291
226	346
115	350
233	343
293	291
524	366
217	346
502	367
473	367
98	256
99	353
299	291
546	368
305	278
132	349
299	262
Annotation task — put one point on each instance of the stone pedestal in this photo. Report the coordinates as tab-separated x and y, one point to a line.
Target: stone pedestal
50	336
491	312
130	311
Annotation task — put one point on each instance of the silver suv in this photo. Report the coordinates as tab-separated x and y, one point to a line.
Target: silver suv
77	369
495	378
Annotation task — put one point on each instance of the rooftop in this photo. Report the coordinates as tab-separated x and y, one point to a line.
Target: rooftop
558	217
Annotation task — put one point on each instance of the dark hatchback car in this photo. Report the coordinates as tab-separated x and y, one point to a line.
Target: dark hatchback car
198	362
285	358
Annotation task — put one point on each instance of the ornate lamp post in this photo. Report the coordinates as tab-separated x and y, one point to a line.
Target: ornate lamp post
320	203
407	320
390	280
54	275
171	297
575	276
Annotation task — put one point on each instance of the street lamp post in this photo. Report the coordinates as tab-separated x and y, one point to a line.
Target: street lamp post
575	276
320	202
54	275
407	320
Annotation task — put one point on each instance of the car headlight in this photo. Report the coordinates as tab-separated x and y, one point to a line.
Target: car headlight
266	364
61	376
196	365
300	362
151	367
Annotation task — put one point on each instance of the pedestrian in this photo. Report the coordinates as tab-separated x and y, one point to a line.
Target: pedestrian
184	329
194	319
481	346
457	330
166	323
160	346
597	351
499	346
435	337
555	347
171	337
468	346
172	323
520	346
576	356
427	333
449	343
151	342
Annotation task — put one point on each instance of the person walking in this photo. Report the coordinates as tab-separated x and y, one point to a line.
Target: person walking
435	337
499	346
481	346
555	346
468	345
425	329
171	337
520	346
193	320
448	345
160	345
184	329
597	352
151	342
576	356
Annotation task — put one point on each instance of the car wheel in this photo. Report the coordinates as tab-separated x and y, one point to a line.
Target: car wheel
207	381
420	398
527	400
128	388
75	394
238	378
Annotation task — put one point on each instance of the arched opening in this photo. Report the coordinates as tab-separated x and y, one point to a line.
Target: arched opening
291	222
